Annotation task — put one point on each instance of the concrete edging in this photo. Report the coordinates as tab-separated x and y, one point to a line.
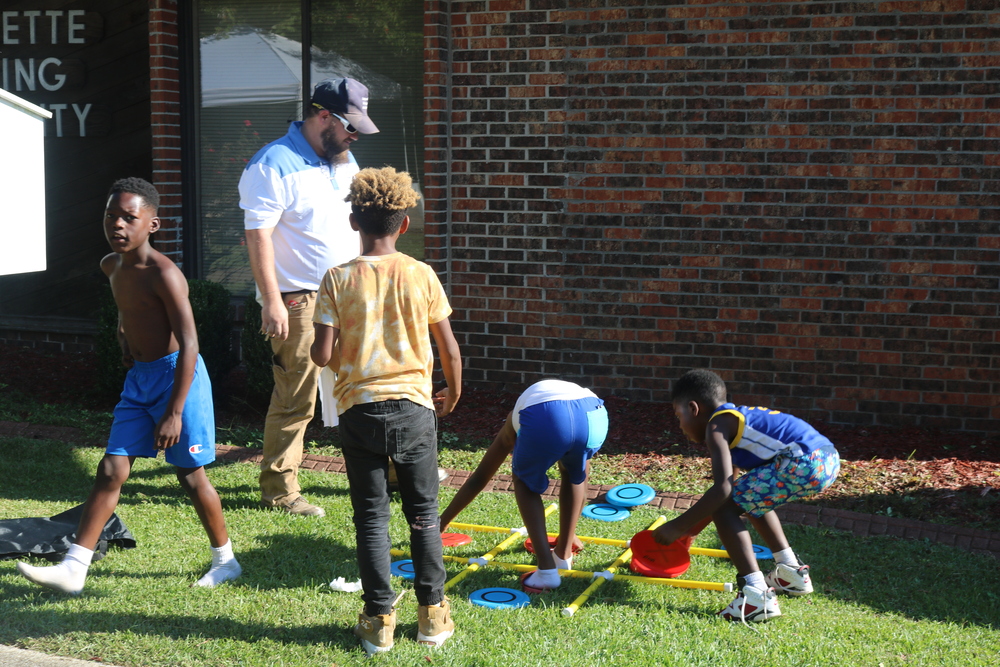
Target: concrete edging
863	525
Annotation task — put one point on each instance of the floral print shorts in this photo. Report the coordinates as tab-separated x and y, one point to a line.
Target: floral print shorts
785	479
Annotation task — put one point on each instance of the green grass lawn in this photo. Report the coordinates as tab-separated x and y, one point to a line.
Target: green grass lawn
878	601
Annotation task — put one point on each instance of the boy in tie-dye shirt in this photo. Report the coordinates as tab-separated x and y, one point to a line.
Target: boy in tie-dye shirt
374	319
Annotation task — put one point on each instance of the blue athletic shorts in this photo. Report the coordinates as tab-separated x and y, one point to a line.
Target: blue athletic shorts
762	489
143	402
569	432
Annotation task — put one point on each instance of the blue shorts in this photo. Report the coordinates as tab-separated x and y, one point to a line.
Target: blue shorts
784	479
569	432
144	400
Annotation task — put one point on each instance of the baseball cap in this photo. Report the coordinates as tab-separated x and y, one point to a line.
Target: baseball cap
347	98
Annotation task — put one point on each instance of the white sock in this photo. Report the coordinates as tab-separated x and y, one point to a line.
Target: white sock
81	555
756	580
224	554
224	567
786	557
67	577
543	579
562	564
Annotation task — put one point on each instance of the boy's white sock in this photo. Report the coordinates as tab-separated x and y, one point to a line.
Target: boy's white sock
224	567
786	557
562	564
544	579
67	577
756	579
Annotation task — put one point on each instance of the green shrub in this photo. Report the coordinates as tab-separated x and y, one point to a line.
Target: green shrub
213	318
210	303
257	354
110	372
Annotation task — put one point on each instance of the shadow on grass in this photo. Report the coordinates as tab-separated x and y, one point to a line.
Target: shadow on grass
284	560
35	618
918	579
28	463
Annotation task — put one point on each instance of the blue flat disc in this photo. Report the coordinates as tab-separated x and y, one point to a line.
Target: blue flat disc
762	553
605	512
500	598
630	495
403	568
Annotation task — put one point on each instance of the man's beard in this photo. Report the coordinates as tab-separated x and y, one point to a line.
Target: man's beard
336	151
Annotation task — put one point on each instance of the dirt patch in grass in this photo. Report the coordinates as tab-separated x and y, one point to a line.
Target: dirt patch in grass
926	474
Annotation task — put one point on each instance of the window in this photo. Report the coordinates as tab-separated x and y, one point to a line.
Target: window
251	88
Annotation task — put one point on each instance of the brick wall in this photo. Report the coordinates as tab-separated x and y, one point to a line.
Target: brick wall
802	196
166	113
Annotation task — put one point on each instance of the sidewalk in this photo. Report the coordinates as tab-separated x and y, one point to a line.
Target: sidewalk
19	657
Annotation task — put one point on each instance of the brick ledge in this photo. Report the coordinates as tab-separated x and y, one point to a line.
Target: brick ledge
863	525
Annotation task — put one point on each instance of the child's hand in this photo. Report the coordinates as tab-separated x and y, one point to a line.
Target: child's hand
168	431
444	402
667	533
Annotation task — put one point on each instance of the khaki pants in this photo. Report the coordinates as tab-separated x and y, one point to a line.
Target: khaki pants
293	403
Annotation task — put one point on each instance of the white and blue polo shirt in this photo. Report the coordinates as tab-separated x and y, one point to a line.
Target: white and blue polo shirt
288	187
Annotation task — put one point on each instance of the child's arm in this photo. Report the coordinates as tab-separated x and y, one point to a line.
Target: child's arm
719	434
451	364
496	454
324	341
172	288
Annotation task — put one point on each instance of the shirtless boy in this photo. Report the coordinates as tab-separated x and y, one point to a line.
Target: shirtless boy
167	400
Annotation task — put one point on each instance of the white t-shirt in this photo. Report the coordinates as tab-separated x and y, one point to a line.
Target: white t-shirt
289	188
545	391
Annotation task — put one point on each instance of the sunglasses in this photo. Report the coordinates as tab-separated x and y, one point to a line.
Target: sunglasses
343	121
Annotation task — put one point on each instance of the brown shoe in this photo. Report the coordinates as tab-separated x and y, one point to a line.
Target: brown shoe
434	624
300	507
376	632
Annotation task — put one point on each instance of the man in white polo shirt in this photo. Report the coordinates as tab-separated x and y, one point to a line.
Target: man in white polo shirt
296	220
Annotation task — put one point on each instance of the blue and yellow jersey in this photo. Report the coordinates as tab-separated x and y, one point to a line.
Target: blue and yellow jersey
765	433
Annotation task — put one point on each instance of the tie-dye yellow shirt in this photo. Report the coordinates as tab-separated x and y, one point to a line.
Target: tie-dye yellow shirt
383	306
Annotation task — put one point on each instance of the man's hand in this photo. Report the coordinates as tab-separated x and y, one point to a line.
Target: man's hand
274	319
168	431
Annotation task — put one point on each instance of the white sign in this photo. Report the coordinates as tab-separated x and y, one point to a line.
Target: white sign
22	185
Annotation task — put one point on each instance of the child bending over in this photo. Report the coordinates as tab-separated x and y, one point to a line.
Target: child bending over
784	459
552	422
167	400
374	319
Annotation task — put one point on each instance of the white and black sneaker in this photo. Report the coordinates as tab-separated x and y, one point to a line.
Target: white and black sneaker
752	605
790	580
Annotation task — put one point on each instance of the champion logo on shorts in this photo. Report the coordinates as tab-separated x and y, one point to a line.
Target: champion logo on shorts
196	449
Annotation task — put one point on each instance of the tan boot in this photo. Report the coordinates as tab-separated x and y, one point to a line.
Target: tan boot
434	624
376	632
300	507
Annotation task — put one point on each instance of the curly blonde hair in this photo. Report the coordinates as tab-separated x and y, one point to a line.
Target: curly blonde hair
379	199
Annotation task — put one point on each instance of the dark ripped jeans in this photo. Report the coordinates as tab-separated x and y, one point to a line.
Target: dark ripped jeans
371	434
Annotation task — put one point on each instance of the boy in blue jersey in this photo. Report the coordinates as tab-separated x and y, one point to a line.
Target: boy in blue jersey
784	459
